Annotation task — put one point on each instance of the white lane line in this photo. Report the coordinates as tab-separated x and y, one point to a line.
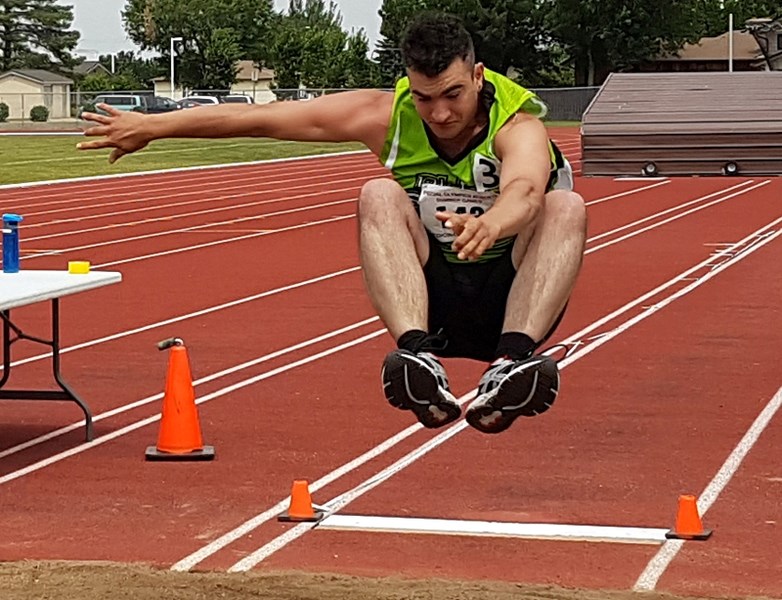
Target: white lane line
11	186
221	210
683	205
39	133
167	217
221	392
119	410
190	229
213	547
537	531
250	298
647	581
327	476
671	219
71	197
346	498
291	228
230	537
627	193
249	236
252	559
186	316
214	376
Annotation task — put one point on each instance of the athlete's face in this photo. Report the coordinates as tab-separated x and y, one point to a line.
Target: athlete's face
448	102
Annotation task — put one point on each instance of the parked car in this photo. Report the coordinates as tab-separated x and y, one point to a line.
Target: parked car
188	103
134	102
160	104
204	99
237	99
118	101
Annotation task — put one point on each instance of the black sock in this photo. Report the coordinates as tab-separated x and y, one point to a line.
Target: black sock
515	345
412	340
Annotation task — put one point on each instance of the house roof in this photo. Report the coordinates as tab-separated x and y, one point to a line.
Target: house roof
37	75
88	66
245	73
246	69
716	48
764	24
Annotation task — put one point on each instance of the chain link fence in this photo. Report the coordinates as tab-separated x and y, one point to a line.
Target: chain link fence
564	104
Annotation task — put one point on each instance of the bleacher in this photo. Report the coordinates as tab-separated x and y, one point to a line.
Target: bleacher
684	124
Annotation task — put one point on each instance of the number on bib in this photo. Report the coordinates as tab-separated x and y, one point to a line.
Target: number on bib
434	199
486	173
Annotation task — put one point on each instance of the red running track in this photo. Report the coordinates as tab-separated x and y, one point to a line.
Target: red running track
227	259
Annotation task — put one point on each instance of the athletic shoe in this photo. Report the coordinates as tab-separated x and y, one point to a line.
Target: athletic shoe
417	382
511	389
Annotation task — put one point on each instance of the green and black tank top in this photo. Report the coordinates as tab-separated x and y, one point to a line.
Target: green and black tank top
468	183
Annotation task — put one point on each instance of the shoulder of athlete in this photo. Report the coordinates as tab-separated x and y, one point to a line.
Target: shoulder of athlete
364	114
522	131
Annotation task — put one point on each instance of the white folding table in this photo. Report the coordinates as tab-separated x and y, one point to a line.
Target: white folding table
28	287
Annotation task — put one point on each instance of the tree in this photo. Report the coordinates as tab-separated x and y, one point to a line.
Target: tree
506	33
359	71
100	81
310	48
713	15
133	67
216	34
607	35
511	33
395	15
36	34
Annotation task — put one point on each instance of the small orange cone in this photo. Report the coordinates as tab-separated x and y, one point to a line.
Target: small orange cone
301	507
688	521
180	431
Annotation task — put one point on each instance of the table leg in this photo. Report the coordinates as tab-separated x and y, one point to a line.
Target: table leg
67	392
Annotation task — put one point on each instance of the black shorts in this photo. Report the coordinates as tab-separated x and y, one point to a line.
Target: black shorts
467	303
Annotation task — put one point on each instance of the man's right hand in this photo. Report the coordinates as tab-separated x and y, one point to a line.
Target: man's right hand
123	131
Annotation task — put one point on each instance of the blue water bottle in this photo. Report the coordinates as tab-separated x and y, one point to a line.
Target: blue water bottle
11	242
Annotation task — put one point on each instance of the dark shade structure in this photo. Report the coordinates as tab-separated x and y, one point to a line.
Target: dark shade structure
683	124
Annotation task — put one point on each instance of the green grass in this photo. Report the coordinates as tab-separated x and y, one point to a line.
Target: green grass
41	158
563	123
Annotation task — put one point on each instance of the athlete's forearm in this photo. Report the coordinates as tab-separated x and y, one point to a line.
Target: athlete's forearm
360	116
224	120
516	208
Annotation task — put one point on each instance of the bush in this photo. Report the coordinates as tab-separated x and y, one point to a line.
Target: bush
4	112
87	107
39	114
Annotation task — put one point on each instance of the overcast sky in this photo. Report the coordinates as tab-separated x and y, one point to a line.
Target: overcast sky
100	23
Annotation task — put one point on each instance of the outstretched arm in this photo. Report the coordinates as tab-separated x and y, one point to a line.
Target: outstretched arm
355	116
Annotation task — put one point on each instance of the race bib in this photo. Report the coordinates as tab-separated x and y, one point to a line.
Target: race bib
442	198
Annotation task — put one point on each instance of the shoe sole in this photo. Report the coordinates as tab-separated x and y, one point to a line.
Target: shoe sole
491	414
422	394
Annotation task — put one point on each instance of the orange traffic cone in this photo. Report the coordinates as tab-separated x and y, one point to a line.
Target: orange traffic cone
179	437
301	507
688	522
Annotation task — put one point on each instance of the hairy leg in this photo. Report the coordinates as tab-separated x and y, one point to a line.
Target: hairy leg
548	260
393	246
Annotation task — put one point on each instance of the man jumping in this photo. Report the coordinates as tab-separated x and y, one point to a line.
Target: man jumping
470	250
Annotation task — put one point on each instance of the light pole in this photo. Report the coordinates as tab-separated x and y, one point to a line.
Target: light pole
173	87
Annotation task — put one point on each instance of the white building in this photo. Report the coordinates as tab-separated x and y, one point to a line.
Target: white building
21	89
250	80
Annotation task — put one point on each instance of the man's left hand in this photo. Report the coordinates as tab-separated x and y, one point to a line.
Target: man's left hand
474	235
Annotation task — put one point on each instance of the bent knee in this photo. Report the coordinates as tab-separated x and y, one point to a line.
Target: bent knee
567	208
382	197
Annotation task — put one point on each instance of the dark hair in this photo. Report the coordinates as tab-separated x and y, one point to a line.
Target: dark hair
432	41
